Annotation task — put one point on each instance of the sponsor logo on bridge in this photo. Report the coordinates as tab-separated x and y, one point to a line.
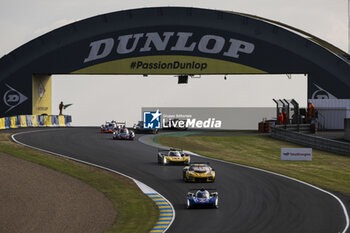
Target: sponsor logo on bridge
168	41
12	98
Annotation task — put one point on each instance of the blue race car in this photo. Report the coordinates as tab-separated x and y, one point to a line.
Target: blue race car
202	198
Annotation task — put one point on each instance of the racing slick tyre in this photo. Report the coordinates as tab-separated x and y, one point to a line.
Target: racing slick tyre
184	176
188	204
216	203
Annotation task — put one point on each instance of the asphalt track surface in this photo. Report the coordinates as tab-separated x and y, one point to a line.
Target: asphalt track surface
250	201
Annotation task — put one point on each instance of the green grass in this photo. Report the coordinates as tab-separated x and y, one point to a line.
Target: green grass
326	170
135	211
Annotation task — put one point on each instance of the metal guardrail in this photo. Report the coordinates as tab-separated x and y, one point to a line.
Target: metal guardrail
35	121
296	127
313	141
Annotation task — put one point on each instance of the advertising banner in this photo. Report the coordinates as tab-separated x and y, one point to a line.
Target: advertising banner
169	65
204	118
296	154
2	123
41	86
23	121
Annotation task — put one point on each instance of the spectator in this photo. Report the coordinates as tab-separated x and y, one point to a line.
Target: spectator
311	114
61	107
280	119
285	117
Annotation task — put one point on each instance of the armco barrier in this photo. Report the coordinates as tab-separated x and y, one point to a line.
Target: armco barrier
311	141
35	121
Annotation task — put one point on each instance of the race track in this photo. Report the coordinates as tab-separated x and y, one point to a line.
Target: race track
251	201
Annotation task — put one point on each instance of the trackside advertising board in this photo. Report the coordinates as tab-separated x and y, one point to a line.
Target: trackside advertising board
296	154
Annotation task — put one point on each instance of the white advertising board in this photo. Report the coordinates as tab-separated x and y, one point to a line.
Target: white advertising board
296	154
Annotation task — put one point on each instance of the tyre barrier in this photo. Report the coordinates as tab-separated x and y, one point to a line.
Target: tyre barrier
22	121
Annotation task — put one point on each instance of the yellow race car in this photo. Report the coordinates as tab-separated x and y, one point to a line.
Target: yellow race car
198	172
173	156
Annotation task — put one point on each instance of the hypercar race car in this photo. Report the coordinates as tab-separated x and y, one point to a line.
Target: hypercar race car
108	127
198	172
173	156
202	198
124	134
119	124
139	128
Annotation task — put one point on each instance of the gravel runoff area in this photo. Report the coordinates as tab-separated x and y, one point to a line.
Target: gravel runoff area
36	199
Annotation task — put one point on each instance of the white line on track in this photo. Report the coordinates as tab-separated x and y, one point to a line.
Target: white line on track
143	187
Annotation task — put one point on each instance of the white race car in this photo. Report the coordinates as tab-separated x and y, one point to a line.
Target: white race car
123	134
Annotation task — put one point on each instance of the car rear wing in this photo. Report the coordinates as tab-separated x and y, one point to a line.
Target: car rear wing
201	188
119	122
175	149
212	191
164	152
171	149
207	163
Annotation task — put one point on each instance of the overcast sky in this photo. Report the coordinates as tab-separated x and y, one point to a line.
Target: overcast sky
24	20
